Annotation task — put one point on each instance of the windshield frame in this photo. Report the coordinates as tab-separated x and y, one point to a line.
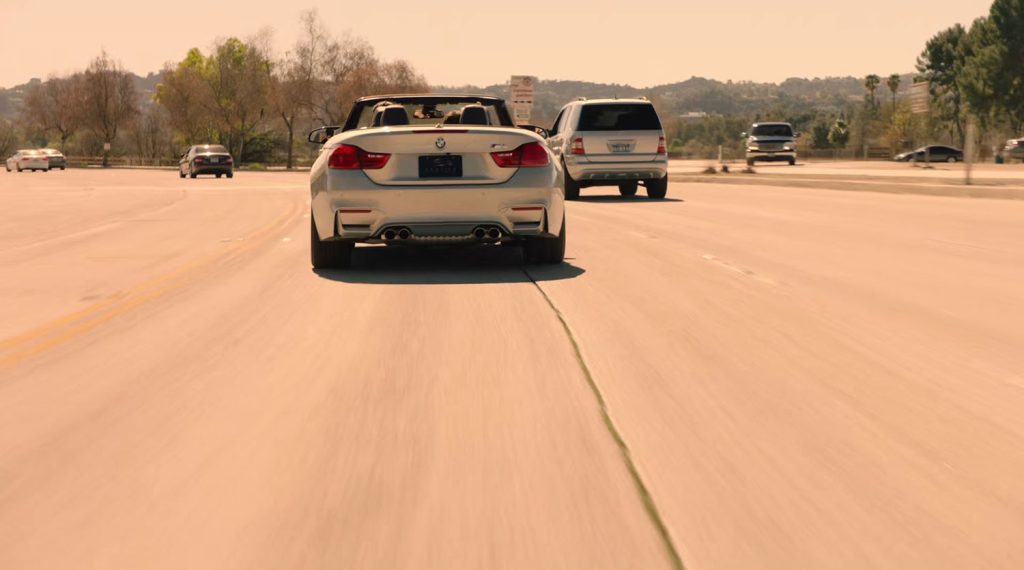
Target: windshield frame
360	106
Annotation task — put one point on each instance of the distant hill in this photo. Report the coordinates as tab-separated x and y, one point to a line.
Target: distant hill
701	95
695	95
11	99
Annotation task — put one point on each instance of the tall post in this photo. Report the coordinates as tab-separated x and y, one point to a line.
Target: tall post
969	149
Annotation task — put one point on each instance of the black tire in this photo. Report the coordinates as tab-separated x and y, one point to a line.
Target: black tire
181	173
231	174
328	254
750	162
62	168
546	251
656	189
192	173
18	168
218	175
792	162
572	187
628	189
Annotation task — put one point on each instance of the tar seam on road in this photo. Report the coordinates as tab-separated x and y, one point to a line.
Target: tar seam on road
627	457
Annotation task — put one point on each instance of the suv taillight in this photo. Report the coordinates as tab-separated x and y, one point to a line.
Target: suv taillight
661	146
528	155
577	147
348	157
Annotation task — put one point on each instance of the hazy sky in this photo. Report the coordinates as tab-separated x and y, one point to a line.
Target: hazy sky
455	42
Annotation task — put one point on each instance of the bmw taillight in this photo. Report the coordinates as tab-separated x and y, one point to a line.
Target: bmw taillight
577	147
661	146
348	157
529	155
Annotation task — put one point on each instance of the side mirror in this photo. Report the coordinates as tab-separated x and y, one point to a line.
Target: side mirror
797	135
544	133
321	135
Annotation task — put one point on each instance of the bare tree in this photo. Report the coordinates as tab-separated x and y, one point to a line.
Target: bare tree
110	97
289	85
57	106
8	137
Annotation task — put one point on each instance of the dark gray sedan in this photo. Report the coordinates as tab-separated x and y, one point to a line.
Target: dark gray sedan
206	159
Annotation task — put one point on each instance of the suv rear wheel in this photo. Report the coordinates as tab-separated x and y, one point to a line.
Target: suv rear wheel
628	189
328	254
657	188
572	188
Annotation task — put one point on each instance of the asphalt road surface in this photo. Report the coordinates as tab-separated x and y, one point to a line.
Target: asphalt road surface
738	377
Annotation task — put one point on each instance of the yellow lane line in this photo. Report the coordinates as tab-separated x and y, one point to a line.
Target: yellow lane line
20	347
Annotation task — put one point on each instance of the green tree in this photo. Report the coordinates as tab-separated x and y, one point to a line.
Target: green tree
893	83
871	83
1007	21
941	64
839	135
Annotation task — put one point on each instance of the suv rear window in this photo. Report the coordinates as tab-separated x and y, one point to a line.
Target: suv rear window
619	117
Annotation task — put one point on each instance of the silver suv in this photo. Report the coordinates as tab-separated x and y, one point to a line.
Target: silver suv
771	142
611	142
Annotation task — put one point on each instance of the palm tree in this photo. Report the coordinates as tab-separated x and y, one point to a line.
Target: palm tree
894	85
871	83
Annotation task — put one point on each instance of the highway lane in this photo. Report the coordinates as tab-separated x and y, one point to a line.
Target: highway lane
802	378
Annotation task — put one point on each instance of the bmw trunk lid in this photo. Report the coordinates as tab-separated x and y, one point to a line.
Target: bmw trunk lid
439	156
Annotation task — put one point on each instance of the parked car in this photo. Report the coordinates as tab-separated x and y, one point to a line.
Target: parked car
206	159
28	159
771	142
57	159
611	142
935	153
1014	150
395	173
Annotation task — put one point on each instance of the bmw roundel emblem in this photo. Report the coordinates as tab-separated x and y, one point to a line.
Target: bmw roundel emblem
440	143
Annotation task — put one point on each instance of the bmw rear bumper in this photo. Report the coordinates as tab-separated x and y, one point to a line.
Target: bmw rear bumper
348	206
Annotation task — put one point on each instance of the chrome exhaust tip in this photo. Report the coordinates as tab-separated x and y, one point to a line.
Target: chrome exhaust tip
479	233
494	233
404	233
389	235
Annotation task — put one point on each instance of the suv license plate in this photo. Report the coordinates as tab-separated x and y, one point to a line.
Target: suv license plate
624	147
443	166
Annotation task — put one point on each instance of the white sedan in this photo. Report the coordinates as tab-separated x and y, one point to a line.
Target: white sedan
28	160
434	169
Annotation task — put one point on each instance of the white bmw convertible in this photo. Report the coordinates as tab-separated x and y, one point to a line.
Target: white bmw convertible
434	169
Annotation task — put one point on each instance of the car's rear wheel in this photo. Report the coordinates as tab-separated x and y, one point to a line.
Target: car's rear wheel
951	159
231	174
628	189
546	251
792	162
657	188
181	173
750	162
192	173
18	168
219	175
328	254
572	187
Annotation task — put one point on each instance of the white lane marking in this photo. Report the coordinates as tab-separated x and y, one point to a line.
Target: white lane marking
286	240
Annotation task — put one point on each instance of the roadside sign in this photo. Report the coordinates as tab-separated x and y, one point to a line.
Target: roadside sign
920	97
106	146
521	94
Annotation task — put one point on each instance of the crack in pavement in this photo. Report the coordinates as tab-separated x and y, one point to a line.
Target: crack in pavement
627	457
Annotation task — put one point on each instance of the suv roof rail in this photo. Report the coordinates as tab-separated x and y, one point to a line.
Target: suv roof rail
642	98
580	99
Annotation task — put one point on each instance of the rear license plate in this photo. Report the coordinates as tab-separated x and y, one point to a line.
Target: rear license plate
214	159
445	166
621	147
